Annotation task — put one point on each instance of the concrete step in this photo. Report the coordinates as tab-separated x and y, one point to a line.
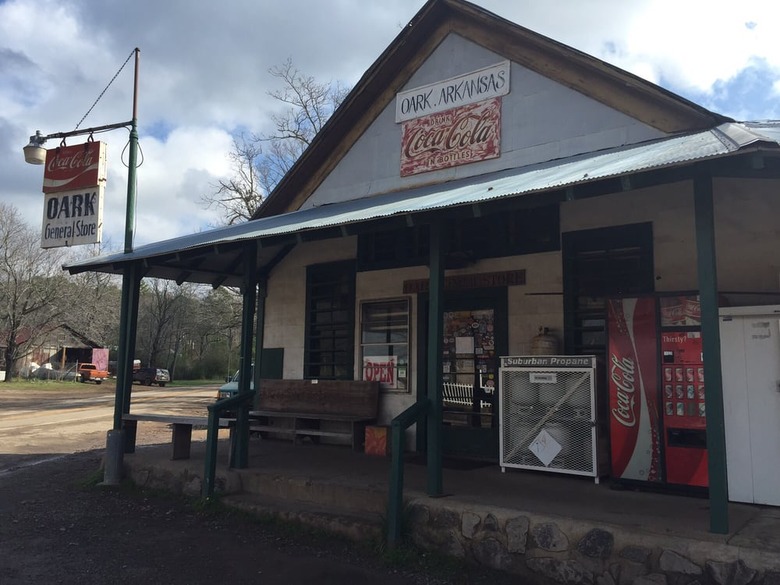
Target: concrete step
322	492
351	525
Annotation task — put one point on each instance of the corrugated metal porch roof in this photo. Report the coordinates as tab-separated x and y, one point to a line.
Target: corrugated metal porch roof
721	141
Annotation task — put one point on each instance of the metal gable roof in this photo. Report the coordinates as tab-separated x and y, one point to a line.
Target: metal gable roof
163	259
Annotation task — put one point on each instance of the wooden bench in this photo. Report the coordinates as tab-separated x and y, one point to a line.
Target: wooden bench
181	437
298	408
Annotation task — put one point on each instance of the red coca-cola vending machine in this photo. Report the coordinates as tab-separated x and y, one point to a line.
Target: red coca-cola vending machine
632	377
656	390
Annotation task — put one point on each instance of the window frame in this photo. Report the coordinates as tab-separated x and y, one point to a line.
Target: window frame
338	333
401	373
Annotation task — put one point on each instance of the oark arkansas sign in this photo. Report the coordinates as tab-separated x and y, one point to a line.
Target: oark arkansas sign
452	122
73	185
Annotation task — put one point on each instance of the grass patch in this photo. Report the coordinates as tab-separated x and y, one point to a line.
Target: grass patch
45	385
184	383
107	386
92	479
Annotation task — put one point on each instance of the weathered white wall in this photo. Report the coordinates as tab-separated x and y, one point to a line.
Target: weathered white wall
747	215
669	208
746	230
541	120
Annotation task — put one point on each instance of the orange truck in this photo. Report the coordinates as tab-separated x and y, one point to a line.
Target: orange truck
90	372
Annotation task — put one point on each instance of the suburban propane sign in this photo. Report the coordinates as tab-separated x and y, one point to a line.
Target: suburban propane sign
73	185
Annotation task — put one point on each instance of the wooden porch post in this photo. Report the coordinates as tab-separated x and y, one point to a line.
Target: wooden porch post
710	331
435	332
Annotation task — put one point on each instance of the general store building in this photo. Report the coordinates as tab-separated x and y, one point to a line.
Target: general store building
479	182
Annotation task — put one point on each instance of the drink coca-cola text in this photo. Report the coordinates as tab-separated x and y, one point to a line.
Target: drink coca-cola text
467	130
81	159
623	376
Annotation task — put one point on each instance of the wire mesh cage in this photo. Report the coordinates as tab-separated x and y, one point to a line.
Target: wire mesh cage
547	419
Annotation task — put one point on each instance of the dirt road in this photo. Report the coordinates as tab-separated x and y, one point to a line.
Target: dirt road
38	425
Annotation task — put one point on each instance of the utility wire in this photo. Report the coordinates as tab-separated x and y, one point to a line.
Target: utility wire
105	89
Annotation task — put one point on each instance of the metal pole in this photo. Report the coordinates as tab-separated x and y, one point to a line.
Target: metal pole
115	443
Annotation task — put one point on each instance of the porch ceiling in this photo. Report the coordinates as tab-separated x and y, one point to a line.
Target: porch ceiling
215	257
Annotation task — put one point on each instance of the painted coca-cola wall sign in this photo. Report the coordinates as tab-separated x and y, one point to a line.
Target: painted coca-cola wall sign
450	138
69	168
633	395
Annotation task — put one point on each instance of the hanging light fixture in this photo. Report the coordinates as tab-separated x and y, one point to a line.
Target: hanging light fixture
35	153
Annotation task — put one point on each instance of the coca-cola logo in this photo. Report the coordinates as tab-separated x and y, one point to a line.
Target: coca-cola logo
82	158
623	375
71	168
463	131
454	137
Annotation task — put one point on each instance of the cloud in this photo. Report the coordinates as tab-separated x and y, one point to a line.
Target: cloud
203	75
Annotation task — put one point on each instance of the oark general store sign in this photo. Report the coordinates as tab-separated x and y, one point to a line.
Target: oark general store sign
73	183
452	122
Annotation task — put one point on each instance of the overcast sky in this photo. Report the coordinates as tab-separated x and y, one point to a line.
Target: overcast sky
204	75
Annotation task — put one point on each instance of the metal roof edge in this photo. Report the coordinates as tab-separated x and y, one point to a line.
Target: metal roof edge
549	175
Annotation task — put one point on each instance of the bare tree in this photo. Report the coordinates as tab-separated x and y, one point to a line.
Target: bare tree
162	303
261	160
32	288
239	196
99	294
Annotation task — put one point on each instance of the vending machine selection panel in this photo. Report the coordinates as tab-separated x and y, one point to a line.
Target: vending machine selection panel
684	414
683	379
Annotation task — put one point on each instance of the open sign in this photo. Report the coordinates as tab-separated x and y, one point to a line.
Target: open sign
381	369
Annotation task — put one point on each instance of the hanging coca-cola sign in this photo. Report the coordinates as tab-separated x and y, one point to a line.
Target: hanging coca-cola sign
73	183
68	168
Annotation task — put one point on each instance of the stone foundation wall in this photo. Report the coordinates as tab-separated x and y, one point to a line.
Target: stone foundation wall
561	550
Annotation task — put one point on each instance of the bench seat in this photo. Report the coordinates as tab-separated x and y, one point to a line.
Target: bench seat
307	424
316	409
181	436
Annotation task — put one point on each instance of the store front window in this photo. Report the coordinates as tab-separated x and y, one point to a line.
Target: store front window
330	318
384	343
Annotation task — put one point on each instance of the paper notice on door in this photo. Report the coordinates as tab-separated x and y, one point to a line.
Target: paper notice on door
464	345
761	330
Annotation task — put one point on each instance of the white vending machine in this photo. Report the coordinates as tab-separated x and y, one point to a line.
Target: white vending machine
750	364
547	414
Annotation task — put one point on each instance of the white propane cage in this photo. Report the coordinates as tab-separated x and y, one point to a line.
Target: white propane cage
547	414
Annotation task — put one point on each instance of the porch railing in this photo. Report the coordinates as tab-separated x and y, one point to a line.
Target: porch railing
395	502
239	446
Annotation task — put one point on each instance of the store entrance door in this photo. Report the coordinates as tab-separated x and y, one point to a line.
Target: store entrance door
474	336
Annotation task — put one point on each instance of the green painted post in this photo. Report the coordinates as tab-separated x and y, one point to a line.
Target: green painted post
131	309
128	311
395	505
710	332
123	362
247	337
435	332
210	464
